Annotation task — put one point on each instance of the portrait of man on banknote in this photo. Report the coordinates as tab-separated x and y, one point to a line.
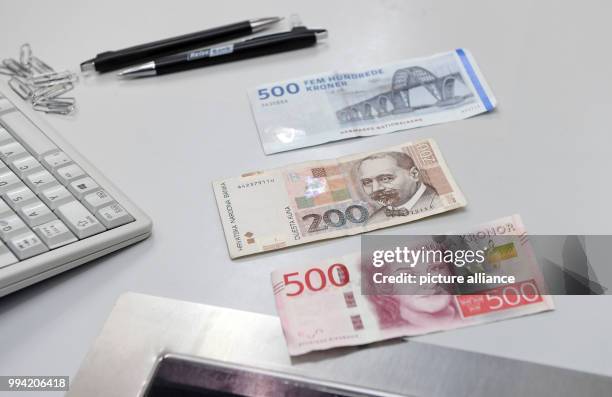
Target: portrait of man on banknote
393	185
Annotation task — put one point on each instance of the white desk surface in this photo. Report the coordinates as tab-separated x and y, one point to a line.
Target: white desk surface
544	153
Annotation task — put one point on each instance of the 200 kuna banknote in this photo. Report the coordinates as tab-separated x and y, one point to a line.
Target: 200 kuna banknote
300	203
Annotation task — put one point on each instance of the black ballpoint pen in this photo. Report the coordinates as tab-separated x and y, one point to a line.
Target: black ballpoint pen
113	60
298	37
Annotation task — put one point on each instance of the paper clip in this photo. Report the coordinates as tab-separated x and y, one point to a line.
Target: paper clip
16	67
34	80
51	92
25	55
53	78
63	106
6	71
39	66
20	87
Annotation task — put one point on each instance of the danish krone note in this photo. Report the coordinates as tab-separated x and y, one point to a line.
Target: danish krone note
341	104
316	200
346	301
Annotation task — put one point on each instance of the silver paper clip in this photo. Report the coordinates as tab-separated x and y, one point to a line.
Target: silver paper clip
39	66
21	87
6	71
53	78
25	55
63	106
34	80
51	92
16	67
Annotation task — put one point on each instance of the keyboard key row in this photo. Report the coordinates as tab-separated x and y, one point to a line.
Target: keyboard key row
48	231
53	194
47	200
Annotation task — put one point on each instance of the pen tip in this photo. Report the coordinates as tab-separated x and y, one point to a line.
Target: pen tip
88	66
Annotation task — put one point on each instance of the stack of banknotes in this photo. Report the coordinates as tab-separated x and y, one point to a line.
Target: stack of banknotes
329	304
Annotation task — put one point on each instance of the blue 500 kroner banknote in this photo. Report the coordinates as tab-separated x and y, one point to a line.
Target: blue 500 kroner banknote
326	107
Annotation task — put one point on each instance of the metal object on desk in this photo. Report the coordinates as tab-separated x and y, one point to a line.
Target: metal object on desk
143	329
35	81
198	377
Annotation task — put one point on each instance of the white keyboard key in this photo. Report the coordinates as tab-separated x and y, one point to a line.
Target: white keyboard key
82	187
27	245
36	214
114	215
19	197
6	256
69	173
8	180
96	200
26	165
80	221
55	234
11	151
40	181
3	167
5	136
11	225
5	104
4	208
28	134
56	196
56	160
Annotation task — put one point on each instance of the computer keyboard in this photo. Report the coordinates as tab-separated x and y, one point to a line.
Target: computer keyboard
56	210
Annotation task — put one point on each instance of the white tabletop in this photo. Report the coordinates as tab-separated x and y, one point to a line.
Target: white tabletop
544	153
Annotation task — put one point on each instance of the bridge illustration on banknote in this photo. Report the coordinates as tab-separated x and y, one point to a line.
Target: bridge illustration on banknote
397	100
